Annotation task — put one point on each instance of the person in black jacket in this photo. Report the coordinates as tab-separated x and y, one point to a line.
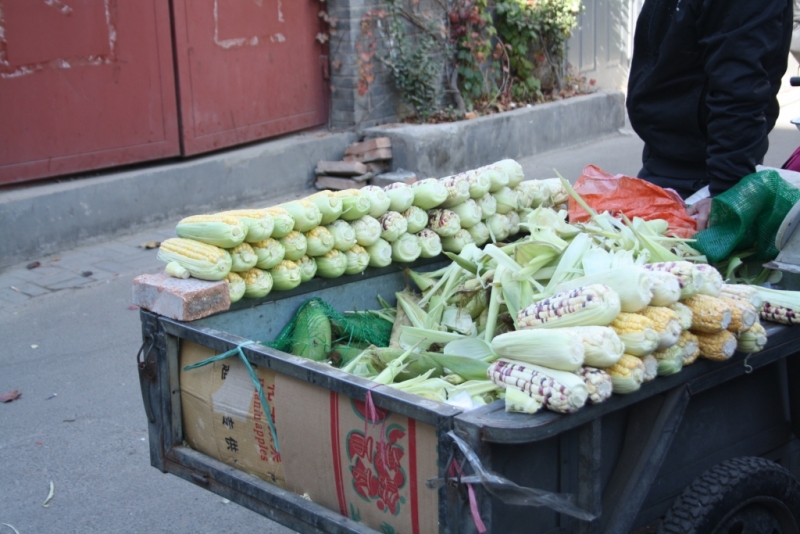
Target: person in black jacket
702	90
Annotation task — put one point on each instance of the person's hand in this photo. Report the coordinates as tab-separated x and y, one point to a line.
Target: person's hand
699	211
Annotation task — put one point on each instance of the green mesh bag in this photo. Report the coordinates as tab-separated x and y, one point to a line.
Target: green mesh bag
348	328
747	216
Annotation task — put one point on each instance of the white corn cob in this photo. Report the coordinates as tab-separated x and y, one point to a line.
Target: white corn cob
689	278
744	292
592	305
712	280
602	346
598	382
558	391
634	286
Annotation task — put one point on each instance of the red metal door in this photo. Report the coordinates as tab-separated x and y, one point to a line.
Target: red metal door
247	70
84	84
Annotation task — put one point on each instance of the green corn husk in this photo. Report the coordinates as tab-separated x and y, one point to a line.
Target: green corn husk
258	283
507	200
259	223
479	233
380	253
243	257
357	260
429	193
312	332
513	171
752	340
469	213
379	202
220	231
457	242
499	227
406	248
457	190
176	270
488	205
479	183
670	361
329	205
401	197
416	219
393	225
367	230
294	244
285	275
208	263
354	204
465	367
332	265
319	241
344	237
306	214
308	268
517	401
416	364
498	177
236	287
430	243
444	222
282	221
514	223
269	253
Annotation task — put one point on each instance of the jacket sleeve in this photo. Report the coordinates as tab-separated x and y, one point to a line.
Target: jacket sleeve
745	48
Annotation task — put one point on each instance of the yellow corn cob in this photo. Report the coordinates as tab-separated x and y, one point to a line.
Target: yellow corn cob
709	314
753	339
668	325
670	361
684	314
690	347
712	280
286	275
282	219
354	204
259	223
219	230
257	283
243	257
627	374
718	346
236	285
743	314
305	213
319	241
203	261
745	292
592	305
637	333
559	391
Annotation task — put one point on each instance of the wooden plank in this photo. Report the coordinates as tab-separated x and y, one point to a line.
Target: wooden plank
341	168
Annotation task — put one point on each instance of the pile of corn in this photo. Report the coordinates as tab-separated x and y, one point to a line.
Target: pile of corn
330	234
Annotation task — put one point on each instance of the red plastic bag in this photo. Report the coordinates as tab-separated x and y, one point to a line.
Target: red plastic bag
632	196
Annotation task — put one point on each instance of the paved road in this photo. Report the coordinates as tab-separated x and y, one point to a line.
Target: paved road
69	344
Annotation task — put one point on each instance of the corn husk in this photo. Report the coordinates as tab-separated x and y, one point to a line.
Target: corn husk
469	213
357	260
220	231
553	348
499	227
367	230
200	268
258	283
429	193
282	221
393	225
488	205
401	197
176	270
332	265
344	237
406	248
507	200
294	244
430	243
269	253
380	253
354	204
306	214
285	276
379	202
666	288
479	233
319	241
308	268
243	257
513	171
236	287
330	206
260	224
457	242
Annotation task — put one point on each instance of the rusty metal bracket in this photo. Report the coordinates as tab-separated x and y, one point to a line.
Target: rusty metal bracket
146	364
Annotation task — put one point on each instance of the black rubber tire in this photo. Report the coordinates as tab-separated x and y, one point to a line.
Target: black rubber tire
749	491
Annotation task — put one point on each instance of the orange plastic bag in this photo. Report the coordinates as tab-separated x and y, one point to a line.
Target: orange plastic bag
632	196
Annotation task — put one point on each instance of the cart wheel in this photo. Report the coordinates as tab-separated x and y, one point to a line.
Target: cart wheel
746	495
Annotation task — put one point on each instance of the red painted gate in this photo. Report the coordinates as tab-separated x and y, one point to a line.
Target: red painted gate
89	84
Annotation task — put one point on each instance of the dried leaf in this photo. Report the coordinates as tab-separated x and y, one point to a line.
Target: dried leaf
12	395
33	265
150	244
50	495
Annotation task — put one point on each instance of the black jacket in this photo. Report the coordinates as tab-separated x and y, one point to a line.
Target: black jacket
702	87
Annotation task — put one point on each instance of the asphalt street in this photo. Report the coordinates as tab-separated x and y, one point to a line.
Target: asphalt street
69	341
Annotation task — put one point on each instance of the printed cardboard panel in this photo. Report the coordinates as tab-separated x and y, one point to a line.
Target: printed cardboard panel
372	470
223	416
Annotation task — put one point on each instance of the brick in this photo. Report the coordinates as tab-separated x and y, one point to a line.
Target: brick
337	184
378	167
341	168
368	145
182	300
373	155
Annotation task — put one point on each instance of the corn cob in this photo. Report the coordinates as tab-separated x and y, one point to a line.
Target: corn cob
269	253
430	243
780	306
499	227
176	270
344	237
218	230
668	325
457	190
444	222
598	382
627	374
311	337
719	346
650	367
259	223
670	361
354	204
666	288
690	347
294	245
379	202
752	340
684	314
469	213
602	346
416	219
400	196
283	222
556	192
257	283
744	292
308	268
285	275
498	178
393	225
333	264
456	243
236	286
514	223
689	278
406	248
592	305
557	348
357	260
306	214
205	262
479	183
513	171
488	205
380	253
429	193
633	285
558	391
329	205
243	257
637	333
517	401
743	314
709	314
479	233
507	200
319	241
712	280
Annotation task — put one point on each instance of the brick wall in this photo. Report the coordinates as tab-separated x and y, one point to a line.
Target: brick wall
381	103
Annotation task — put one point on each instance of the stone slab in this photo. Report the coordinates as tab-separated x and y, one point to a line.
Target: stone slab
182	300
341	168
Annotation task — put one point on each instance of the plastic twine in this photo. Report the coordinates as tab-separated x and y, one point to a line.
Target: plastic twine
455	472
371	415
253	377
